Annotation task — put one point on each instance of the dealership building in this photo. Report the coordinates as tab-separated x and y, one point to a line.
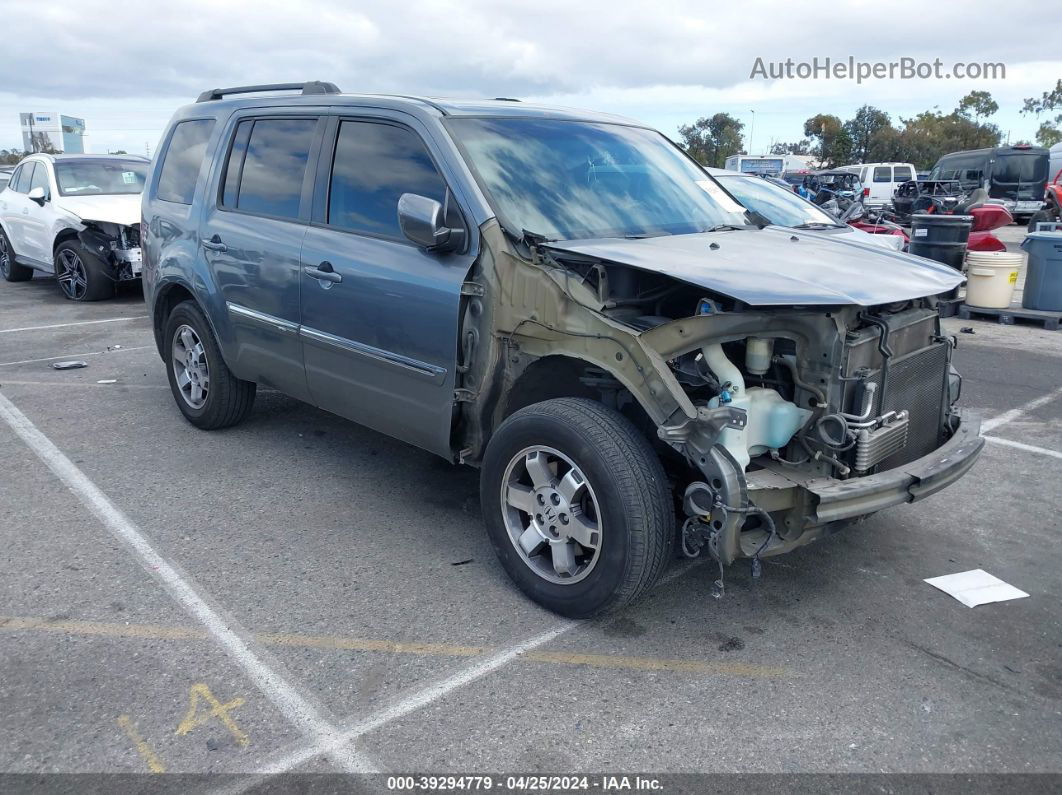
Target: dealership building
48	129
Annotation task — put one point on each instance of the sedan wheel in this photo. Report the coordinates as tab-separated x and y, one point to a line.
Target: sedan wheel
551	514
72	275
190	366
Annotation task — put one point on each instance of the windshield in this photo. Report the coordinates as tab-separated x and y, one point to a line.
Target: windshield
98	177
1020	168
568	180
776	204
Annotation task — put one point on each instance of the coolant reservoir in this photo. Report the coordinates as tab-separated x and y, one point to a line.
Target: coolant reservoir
772	421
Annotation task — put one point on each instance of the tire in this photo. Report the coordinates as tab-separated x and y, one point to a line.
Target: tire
222	399
80	275
624	495
1039	217
9	269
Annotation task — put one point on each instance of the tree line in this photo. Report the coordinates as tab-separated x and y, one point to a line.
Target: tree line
871	136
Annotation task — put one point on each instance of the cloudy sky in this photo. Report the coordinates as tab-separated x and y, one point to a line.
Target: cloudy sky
125	66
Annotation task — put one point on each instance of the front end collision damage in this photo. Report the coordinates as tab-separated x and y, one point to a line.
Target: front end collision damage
537	324
116	245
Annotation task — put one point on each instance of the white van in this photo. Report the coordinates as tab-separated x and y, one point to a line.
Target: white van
880	180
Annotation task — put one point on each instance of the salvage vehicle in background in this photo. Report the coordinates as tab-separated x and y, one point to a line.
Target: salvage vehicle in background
1014	176
1052	206
880	181
77	216
563	299
777	204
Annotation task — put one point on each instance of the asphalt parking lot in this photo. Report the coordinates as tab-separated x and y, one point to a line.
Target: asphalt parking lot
299	593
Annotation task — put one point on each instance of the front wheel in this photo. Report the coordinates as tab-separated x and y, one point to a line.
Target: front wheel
577	506
81	276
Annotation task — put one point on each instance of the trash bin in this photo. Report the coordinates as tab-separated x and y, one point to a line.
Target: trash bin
991	277
940	237
1043	274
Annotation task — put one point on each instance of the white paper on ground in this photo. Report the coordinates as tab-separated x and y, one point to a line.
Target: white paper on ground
976	587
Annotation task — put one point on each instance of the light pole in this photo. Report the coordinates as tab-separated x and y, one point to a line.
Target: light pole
752	129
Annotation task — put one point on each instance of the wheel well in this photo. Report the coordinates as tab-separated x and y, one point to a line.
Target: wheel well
165	301
62	237
564	376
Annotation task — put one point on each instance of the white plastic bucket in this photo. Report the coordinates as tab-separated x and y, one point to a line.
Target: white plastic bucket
991	277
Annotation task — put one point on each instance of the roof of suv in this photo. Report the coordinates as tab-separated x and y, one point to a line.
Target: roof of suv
438	106
74	156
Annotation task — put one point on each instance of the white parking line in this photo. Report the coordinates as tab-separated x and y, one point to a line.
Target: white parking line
431	693
76	355
1020	411
278	690
68	384
1029	448
67	325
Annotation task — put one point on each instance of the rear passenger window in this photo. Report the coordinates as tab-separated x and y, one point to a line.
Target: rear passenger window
903	174
181	163
883	174
374	165
267	166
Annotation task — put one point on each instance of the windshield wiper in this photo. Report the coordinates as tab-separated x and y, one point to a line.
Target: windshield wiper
819	225
726	228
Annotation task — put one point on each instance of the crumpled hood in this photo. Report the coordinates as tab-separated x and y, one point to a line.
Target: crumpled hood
776	266
117	208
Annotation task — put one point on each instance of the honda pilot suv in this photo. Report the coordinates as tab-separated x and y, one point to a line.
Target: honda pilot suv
562	299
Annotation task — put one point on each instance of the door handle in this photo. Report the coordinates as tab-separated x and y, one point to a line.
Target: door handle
215	244
323	273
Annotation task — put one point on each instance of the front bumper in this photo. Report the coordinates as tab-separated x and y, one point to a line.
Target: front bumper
846	499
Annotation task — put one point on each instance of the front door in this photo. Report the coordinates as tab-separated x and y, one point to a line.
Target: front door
379	315
252	237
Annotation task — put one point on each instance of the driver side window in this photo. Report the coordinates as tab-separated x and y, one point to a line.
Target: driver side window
40	180
374	164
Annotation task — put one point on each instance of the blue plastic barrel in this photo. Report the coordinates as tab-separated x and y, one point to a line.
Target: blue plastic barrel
1043	273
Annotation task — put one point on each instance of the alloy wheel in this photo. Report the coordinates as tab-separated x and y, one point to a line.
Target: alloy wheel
5	257
73	279
190	367
551	515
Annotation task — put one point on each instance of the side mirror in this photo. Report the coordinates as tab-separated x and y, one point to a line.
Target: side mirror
423	221
38	195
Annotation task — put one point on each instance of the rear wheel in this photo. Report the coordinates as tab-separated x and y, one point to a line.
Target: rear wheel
9	269
577	506
206	392
81	276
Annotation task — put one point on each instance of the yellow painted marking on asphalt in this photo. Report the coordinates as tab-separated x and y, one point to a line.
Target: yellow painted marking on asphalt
146	753
217	710
359	644
657	664
739	669
8	623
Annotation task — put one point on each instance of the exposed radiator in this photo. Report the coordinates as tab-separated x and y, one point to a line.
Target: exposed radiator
917	384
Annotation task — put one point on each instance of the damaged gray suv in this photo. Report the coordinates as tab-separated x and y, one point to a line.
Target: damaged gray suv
562	299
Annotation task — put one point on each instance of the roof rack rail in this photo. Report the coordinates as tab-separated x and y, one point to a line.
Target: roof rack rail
310	87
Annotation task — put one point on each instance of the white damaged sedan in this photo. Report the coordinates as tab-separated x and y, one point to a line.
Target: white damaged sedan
77	216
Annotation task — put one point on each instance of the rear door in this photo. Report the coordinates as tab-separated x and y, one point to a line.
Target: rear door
880	185
14	207
380	330
252	234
